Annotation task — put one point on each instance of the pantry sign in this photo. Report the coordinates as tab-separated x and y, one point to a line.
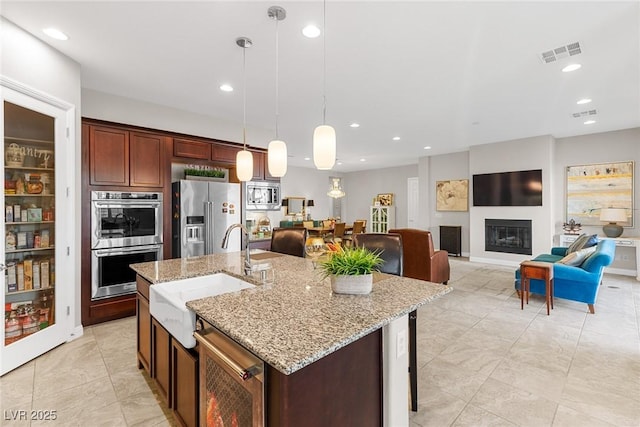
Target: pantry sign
15	155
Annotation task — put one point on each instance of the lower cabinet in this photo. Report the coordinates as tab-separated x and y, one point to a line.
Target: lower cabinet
160	359
144	333
184	384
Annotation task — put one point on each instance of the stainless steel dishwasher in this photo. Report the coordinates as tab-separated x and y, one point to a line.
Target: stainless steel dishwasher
231	381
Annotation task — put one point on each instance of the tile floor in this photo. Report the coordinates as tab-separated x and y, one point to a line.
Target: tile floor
482	362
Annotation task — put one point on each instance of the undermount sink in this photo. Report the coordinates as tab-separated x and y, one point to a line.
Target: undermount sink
167	301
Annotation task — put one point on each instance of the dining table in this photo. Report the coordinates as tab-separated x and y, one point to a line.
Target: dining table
322	230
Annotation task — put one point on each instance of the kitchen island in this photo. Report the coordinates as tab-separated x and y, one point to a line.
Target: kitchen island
322	351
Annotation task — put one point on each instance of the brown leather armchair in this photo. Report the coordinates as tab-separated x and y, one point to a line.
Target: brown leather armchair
421	261
289	240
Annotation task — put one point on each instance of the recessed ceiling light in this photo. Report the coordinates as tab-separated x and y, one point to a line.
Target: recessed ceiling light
571	67
396	138
339	163
307	158
354	125
311	31
589	122
226	88
427	147
583	101
55	33
363	160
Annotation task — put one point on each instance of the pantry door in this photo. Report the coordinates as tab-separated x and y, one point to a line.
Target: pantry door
37	237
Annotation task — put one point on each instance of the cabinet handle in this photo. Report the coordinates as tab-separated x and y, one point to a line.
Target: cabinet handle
243	373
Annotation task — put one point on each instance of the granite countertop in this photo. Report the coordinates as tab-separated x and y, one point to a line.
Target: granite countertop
295	320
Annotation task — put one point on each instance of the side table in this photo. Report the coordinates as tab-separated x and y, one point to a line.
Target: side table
536	270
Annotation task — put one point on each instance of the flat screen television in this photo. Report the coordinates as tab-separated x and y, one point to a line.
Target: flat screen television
518	188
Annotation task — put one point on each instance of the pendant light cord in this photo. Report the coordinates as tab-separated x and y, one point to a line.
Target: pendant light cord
244	97
277	80
324	62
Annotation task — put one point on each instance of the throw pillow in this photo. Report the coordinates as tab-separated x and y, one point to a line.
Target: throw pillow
591	241
578	243
578	257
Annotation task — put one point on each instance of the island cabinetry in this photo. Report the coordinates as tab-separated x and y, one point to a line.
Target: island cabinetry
343	388
184	384
143	319
118	157
173	368
160	358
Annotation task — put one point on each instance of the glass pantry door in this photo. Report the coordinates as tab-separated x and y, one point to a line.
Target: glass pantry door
36	284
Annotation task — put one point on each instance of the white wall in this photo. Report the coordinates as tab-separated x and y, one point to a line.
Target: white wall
618	146
522	154
443	168
33	63
312	184
117	109
362	187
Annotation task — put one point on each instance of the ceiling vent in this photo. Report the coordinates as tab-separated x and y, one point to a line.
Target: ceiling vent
584	114
560	52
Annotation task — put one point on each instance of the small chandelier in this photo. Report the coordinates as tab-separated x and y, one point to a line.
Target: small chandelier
277	150
244	158
324	136
335	190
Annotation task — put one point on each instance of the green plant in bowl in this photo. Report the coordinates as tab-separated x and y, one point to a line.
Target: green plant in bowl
351	262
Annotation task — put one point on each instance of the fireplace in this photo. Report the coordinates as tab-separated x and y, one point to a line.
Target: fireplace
508	235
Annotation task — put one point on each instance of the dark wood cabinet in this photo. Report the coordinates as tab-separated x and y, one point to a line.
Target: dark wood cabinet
108	156
451	239
184	384
161	359
118	157
258	165
146	160
224	154
144	333
191	149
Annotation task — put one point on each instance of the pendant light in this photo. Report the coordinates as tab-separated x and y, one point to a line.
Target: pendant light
277	151
244	158
335	190
324	136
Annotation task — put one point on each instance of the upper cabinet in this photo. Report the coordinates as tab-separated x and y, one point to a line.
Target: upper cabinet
119	157
191	149
226	154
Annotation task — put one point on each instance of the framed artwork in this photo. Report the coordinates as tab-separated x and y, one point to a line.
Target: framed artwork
593	187
452	195
385	199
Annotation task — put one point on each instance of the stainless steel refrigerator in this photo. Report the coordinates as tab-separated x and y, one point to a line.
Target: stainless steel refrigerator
201	213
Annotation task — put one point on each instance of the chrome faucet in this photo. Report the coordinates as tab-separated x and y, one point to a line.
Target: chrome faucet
247	257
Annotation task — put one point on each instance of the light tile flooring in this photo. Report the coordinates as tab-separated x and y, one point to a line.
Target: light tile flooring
482	362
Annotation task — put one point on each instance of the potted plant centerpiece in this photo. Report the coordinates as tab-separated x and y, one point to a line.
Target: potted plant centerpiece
351	270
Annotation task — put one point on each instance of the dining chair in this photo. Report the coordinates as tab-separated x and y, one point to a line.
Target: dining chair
307	224
337	235
289	241
392	253
358	227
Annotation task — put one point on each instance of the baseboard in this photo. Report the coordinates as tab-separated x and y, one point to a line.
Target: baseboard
495	261
620	271
77	332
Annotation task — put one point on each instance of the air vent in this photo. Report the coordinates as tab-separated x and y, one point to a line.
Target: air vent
550	56
584	114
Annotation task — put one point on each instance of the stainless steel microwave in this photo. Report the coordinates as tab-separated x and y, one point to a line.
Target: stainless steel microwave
262	196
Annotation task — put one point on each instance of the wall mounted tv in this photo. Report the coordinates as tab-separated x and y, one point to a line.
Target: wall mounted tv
519	188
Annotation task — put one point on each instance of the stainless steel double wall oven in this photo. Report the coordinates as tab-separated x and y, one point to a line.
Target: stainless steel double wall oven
126	228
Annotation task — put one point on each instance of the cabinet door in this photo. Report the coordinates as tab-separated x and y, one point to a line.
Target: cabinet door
146	152
108	156
144	333
267	175
191	149
184	384
224	153
258	165
160	359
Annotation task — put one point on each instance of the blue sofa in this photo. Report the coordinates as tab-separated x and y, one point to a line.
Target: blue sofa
579	283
